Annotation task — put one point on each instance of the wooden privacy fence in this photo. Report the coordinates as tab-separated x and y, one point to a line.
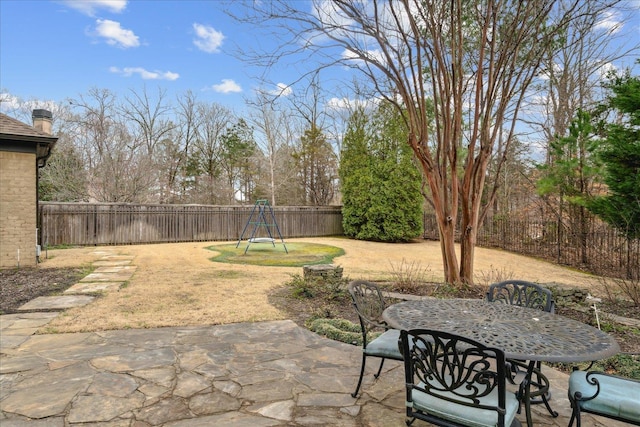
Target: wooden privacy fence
123	224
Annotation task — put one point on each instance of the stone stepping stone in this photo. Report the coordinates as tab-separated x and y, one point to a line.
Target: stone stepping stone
116	269
107	277
110	263
57	303
117	258
103	253
92	287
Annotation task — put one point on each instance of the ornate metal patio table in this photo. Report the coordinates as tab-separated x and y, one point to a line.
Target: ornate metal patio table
522	333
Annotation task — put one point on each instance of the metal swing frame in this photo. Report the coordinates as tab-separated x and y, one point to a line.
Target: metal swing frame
258	219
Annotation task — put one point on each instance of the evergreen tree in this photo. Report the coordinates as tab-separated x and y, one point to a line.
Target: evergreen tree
355	174
620	153
380	184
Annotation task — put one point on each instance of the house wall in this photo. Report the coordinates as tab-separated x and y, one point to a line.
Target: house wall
17	209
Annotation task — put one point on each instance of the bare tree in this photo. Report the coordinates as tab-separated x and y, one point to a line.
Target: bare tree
149	117
571	75
206	151
458	71
268	123
149	123
272	123
314	156
112	159
178	147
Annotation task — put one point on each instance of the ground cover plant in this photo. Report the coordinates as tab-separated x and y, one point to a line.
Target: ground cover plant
324	307
267	254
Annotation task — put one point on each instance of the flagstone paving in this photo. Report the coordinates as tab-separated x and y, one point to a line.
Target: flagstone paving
245	374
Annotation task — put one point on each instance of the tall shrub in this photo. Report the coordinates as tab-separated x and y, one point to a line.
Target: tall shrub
380	184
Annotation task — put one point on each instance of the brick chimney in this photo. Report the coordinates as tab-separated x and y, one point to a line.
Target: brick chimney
42	120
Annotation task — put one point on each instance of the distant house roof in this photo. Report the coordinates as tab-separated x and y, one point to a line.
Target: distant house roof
19	137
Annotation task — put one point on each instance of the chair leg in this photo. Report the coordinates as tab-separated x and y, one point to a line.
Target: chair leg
575	414
380	368
545	400
364	359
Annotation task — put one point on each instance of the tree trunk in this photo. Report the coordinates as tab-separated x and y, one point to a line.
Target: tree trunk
445	210
467	252
447	231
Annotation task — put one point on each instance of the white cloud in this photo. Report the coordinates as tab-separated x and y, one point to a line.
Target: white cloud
605	69
227	86
374	55
145	74
21	109
8	102
207	38
346	104
610	21
282	89
90	7
115	34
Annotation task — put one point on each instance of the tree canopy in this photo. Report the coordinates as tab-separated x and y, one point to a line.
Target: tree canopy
458	71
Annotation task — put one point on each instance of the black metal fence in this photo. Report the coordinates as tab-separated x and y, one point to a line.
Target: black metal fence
599	249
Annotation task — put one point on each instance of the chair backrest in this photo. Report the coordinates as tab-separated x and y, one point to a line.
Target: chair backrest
369	304
522	293
453	368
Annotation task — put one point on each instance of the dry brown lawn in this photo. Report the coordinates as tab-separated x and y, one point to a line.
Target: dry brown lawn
178	285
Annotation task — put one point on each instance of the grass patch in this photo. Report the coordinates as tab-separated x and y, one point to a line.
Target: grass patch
265	254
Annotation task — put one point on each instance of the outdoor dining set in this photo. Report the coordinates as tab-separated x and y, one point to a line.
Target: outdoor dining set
462	356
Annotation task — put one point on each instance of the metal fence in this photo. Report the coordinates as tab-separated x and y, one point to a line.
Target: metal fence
599	250
122	224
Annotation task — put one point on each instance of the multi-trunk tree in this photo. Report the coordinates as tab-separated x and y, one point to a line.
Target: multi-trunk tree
458	71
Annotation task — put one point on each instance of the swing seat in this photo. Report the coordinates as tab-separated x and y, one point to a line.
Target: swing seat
262	240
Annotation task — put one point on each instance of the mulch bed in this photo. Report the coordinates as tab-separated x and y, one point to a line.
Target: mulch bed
20	285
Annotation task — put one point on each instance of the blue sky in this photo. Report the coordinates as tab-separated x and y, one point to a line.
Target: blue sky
51	50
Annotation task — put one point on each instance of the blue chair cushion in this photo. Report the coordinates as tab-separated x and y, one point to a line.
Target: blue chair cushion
618	397
462	414
386	345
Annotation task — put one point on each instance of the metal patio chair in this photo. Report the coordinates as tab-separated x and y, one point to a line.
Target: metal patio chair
369	304
523	294
455	381
531	295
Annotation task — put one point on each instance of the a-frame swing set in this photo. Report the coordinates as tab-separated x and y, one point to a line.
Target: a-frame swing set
261	217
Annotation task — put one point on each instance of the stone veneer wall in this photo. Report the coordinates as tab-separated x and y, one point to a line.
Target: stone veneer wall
18	208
